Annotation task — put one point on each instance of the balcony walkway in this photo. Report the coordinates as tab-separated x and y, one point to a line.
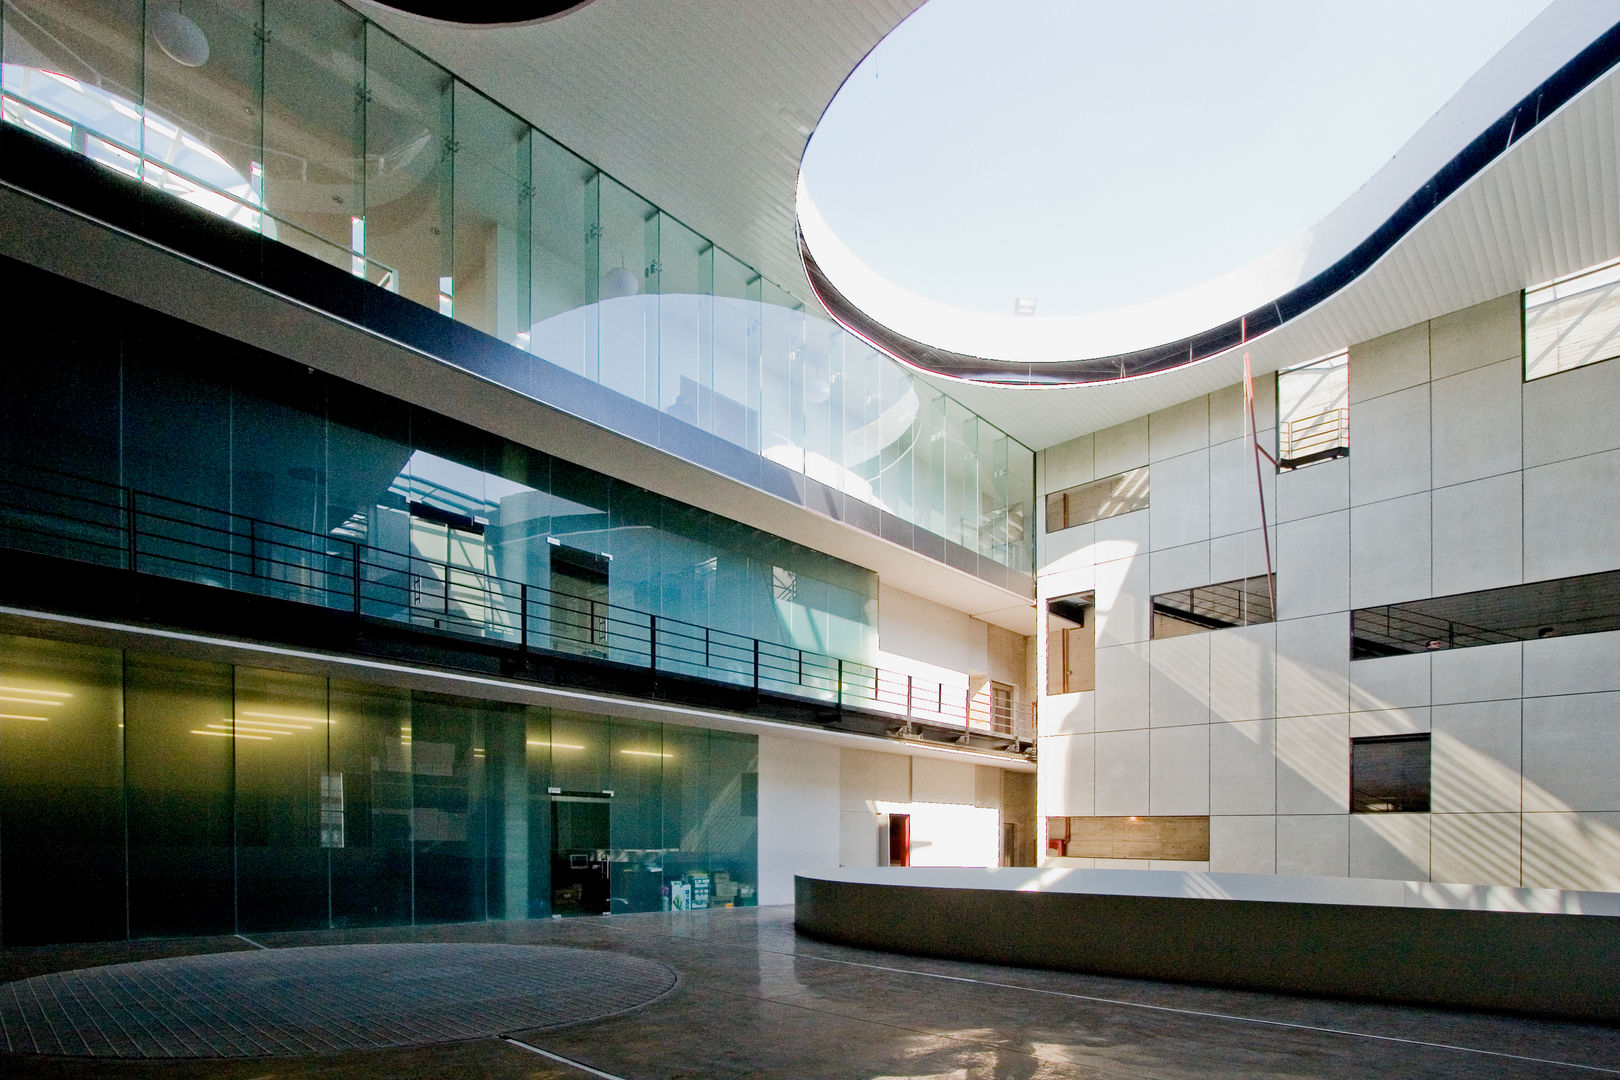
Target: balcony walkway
81	547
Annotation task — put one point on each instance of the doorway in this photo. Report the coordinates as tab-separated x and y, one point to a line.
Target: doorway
579	854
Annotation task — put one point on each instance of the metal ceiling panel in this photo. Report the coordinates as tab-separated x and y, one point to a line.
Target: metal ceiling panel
698	107
703	109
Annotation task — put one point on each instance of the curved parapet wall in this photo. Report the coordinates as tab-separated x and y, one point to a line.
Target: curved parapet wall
1524	950
1516	93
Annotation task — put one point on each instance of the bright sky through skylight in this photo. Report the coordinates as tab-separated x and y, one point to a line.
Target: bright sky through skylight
1093	155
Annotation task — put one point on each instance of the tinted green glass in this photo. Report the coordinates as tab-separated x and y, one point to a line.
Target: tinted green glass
61	792
180	769
283	783
366	805
636	876
448	812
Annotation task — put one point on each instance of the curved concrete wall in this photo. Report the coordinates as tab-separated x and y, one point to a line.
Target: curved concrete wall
1542	951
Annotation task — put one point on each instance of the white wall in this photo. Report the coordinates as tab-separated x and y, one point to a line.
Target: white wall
929	641
819	807
798	812
1461	477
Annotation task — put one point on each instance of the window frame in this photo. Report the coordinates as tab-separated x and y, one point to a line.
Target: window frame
1194	622
1120	483
1412	803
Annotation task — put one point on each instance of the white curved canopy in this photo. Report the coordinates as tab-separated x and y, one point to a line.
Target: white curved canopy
1144	172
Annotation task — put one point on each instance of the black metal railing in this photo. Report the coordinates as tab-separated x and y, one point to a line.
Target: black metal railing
56	514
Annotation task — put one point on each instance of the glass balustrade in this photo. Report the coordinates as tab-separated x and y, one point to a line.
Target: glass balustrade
313	127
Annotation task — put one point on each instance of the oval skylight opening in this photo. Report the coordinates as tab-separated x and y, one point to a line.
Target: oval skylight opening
1051	181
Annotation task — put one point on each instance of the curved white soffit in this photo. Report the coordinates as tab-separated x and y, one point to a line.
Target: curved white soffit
1561	53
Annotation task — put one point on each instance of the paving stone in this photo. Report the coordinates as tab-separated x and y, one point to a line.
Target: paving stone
319	999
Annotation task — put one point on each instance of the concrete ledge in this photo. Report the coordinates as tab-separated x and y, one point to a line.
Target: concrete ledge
1539	951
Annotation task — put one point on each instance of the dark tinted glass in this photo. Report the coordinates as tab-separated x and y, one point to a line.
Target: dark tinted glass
1586	604
1389	774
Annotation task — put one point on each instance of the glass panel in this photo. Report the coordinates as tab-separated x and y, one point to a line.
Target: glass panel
61	792
1020	509
1243	602
448	824
685	811
580	814
1109	497
565	258
778	340
314	132
284	794
1390	774
203	140
538	751
408	179
177	414
744	404
179	768
492	217
64	414
629	316
732	814
93	42
636	817
1586	604
366	805
278	479
510	847
685	324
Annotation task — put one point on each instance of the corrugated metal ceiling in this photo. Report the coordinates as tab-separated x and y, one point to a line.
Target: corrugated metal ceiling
699	108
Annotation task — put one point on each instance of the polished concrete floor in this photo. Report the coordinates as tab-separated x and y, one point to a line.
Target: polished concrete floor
756	1000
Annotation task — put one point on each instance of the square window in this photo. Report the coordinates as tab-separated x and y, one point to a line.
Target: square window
1389	774
1313	410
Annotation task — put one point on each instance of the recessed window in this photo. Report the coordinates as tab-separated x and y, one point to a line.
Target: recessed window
1243	602
1313	412
1561	607
1099	499
1389	774
1071	644
1181	839
1572	322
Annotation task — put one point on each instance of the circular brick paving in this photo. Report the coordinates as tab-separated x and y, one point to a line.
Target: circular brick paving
318	1000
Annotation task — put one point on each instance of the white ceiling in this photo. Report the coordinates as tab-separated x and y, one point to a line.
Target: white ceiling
698	108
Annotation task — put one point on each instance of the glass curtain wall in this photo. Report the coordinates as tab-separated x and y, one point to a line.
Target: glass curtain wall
321	131
147	402
145	795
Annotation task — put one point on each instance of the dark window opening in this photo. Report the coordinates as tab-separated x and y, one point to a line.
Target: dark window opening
1070	644
1389	774
1243	602
1586	604
1106	498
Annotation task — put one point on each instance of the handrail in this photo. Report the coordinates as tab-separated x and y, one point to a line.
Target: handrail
1316	435
56	513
